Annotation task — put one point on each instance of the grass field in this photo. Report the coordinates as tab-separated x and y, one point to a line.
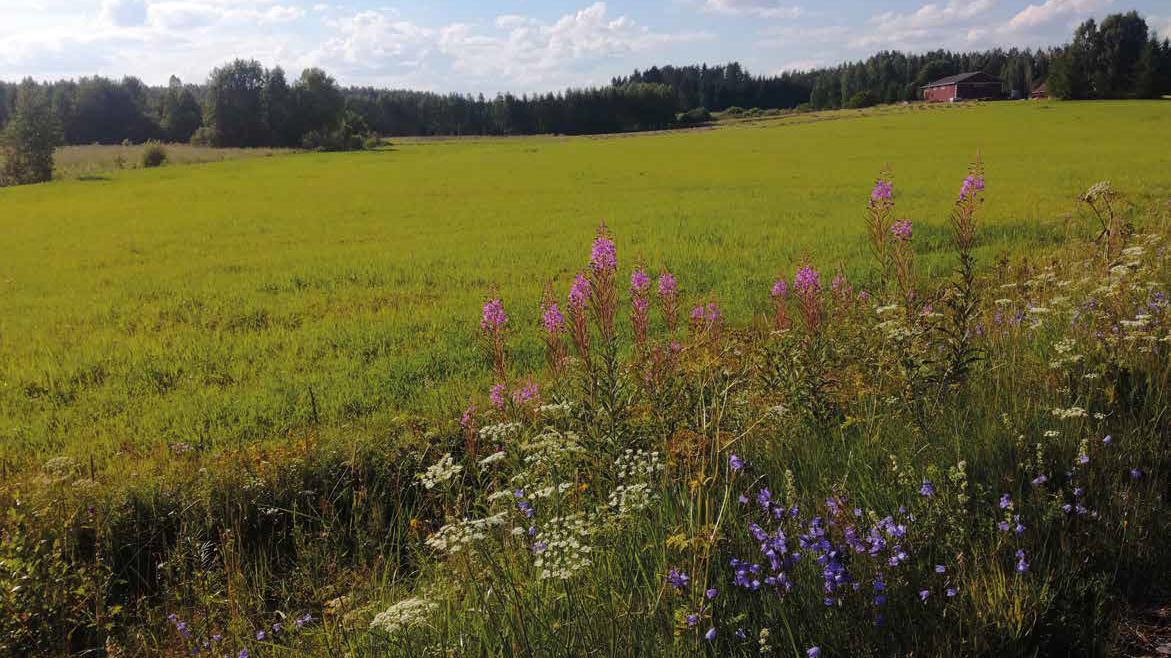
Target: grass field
96	160
229	302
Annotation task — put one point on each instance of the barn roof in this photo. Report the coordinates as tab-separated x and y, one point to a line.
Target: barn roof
975	76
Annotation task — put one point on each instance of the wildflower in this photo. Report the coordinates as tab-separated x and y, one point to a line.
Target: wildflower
403	615
579	292
927	489
883	191
493	458
711	594
710	634
678	579
780	289
494	317
902	230
972	184
1040	479
553	319
260	636
302	621
813	652
951	591
807	281
1136	474
1108	439
692	620
1022	565
923	594
1004	526
668	287
496	395
527	393
440	472
735	463
639	281
243	653
1005	502
939	568
603	256
276	628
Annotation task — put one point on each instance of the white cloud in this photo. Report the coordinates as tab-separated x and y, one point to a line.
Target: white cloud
1034	16
762	8
123	13
932	25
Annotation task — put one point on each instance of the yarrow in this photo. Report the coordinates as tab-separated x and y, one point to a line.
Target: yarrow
403	615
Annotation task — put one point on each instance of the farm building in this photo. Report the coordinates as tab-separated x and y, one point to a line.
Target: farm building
965	86
1041	91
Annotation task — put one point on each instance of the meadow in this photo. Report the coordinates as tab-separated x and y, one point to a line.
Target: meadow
877	383
95	160
214	305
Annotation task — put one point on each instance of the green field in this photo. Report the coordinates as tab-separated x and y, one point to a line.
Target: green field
202	304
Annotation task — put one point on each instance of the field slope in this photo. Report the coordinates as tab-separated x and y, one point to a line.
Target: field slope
230	302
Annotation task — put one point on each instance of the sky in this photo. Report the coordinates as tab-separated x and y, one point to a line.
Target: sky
482	46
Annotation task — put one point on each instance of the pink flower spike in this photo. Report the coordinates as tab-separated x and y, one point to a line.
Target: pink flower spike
494	316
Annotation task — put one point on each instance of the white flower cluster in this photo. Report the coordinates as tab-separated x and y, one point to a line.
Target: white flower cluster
60	465
453	538
1072	412
638	465
561	549
441	472
551	450
562	409
499	431
403	615
627	500
493	458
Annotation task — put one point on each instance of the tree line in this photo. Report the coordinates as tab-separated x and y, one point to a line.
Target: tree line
243	104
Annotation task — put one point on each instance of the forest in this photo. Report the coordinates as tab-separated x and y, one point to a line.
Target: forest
245	104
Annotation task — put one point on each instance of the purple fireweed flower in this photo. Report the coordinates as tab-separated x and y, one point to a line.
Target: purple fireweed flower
494	316
579	292
603	256
667	285
1040	479
972	184
468	418
901	230
639	281
838	283
863	296
927	489
735	463
780	289
712	312
697	313
678	579
496	395
527	393
710	634
807	281
711	594
883	191
553	319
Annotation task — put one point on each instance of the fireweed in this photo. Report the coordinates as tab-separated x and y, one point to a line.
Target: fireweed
785	488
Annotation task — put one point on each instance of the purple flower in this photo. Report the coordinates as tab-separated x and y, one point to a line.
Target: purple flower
639	281
1005	502
217	638
1040	479
813	652
697	313
553	319
604	256
710	634
939	568
1022	565
260	636
923	594
496	395
711	594
692	619
951	591
807	281
276	628
927	489
735	463
243	653
527	393
1083	459
1108	439
494	317
1003	525
901	230
883	191
678	579
667	285
712	312
780	289
972	184
579	292
1136	474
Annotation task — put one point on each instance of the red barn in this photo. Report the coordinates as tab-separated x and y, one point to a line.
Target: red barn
965	86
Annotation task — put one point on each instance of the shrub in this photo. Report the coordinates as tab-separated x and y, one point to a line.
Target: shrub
372	142
862	99
804	107
204	136
734	111
695	116
154	154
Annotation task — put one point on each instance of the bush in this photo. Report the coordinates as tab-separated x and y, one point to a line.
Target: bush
333	141
804	107
372	143
204	136
154	154
695	116
862	99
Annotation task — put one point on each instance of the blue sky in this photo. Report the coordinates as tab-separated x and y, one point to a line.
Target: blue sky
522	46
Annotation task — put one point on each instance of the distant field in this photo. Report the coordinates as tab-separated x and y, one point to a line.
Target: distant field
94	160
203	304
